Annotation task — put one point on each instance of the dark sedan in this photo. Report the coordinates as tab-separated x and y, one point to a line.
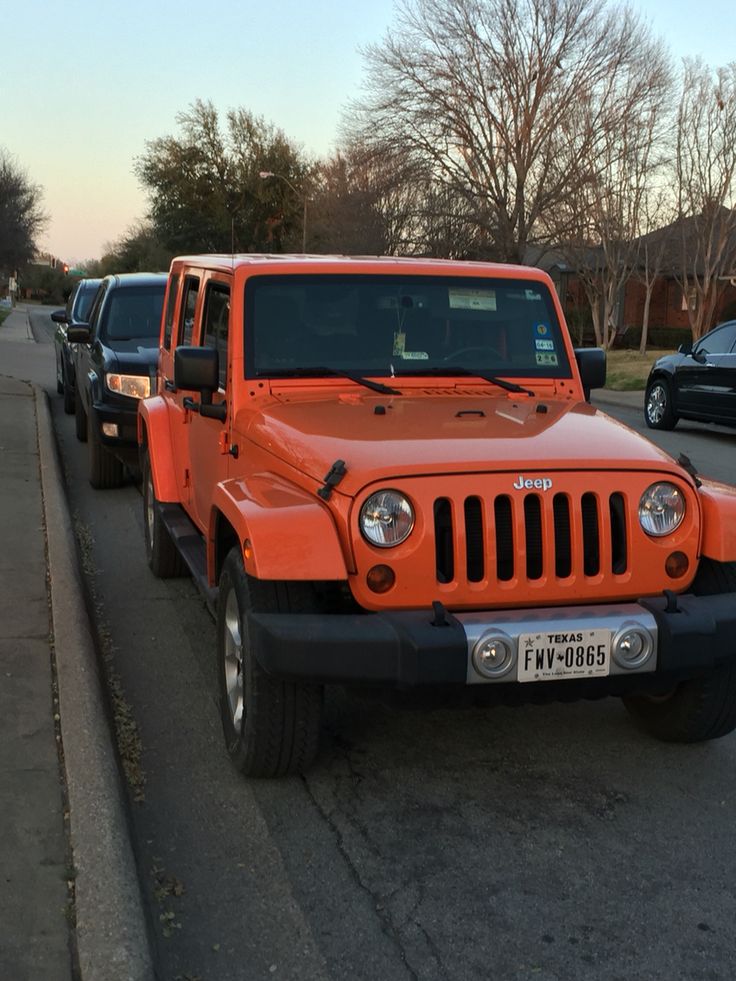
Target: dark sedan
698	382
75	312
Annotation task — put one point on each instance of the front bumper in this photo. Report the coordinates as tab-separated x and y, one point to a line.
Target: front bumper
409	649
125	417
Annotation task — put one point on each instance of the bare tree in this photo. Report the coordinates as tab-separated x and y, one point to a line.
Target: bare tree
655	247
607	210
706	185
487	94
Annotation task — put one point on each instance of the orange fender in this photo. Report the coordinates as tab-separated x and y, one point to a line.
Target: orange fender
155	432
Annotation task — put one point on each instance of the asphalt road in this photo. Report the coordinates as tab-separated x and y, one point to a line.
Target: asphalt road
540	843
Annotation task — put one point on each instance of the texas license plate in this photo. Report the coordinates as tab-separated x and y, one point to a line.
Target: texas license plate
550	656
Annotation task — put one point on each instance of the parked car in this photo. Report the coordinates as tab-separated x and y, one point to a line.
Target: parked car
76	312
385	472
115	361
698	382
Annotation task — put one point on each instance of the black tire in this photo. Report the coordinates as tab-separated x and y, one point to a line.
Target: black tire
105	470
703	708
163	557
69	400
659	409
271	727
80	420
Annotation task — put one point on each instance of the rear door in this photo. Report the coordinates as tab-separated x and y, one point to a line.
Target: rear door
209	439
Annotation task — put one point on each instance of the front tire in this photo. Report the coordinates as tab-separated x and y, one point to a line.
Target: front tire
105	470
80	420
703	708
271	727
659	410
163	557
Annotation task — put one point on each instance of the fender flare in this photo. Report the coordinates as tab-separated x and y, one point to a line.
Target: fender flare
284	532
718	503
154	431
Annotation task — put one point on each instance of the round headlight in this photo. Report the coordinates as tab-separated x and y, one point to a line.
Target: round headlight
661	509
386	518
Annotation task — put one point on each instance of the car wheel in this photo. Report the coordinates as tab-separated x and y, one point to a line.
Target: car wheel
105	470
163	556
80	420
69	400
702	708
659	410
271	727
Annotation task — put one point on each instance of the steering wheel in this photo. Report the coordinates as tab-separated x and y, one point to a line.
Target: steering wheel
464	351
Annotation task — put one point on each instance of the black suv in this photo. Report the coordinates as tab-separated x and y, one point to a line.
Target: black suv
115	362
76	312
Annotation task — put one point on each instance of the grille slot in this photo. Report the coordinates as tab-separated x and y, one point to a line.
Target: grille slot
530	537
475	561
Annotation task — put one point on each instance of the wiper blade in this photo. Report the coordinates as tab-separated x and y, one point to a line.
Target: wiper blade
319	371
451	370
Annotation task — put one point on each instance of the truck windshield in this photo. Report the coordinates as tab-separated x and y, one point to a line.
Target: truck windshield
394	325
133	312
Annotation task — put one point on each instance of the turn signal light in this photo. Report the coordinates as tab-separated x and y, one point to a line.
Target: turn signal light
380	578
676	565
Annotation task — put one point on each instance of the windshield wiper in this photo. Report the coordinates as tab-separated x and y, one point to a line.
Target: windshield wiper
320	371
469	372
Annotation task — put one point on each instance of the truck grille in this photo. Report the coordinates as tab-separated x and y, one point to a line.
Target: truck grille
530	537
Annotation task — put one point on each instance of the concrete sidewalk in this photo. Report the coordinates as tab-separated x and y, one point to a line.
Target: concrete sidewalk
71	906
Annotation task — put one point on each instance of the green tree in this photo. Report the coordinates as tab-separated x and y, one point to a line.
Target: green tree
206	192
21	217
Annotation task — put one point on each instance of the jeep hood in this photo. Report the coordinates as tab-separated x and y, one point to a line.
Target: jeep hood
387	438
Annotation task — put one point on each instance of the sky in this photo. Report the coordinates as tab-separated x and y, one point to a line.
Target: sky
84	85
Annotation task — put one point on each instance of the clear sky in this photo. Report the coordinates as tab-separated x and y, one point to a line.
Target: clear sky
83	85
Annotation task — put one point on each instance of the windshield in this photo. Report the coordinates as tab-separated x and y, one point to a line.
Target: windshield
133	312
402	325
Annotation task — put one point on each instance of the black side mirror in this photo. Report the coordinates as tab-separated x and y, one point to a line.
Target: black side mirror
685	348
59	317
79	334
197	369
592	364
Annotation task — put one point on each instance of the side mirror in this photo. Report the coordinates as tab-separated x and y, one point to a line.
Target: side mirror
59	317
79	334
592	364
685	348
197	369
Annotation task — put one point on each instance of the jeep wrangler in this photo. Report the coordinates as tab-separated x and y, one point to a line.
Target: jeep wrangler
387	473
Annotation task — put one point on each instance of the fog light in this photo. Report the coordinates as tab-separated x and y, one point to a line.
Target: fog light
110	429
632	646
493	655
676	565
380	578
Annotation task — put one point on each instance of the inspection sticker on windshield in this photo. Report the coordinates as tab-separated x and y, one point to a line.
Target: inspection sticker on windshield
472	299
546	358
544	345
542	330
567	654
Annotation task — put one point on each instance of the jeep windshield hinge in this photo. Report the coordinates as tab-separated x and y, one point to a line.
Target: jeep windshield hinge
332	478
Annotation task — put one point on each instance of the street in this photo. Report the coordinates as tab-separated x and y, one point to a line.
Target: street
543	842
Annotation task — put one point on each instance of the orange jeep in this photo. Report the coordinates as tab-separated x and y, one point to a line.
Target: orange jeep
386	472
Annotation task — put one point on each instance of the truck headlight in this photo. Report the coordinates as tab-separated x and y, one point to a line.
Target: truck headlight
661	509
136	386
386	518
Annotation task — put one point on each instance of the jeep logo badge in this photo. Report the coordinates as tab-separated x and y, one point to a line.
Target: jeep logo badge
529	483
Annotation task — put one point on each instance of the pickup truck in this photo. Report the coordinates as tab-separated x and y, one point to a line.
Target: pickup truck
387	473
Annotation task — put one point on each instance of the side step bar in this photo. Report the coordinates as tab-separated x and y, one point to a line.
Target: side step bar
190	544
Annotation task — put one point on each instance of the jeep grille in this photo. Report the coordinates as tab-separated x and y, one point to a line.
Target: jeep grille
527	537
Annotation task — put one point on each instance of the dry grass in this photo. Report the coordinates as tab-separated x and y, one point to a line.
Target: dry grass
628	370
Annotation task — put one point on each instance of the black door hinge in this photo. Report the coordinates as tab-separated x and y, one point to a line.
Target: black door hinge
332	478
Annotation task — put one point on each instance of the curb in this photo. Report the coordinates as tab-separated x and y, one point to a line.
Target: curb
111	933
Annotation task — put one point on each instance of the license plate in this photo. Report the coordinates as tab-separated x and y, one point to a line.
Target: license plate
557	656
